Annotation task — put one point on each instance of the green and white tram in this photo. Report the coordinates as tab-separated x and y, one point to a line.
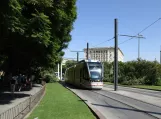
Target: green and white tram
86	74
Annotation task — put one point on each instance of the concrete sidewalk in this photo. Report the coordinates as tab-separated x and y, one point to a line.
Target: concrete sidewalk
7	101
138	96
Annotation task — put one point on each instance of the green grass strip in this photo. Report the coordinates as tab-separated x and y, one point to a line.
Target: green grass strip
109	83
60	103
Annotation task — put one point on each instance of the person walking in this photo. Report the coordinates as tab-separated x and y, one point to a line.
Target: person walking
20	82
12	83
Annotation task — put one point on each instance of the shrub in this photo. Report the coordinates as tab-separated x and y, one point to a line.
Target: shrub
50	78
135	72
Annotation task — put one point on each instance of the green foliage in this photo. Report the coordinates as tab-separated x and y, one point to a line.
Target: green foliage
108	72
48	75
70	63
50	78
33	33
135	73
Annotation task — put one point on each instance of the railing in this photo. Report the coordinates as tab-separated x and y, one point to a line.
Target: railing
20	110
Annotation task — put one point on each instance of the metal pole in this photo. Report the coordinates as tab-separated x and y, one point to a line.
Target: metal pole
77	56
58	70
87	51
116	56
160	54
61	71
138	47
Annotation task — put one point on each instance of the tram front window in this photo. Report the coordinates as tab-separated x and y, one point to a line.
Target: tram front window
95	75
94	65
95	69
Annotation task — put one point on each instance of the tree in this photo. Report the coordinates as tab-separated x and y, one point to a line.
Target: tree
70	63
33	33
108	72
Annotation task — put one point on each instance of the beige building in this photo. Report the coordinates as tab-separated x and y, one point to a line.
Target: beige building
103	54
64	61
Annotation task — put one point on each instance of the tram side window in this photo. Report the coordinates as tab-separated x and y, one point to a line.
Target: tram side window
81	73
85	74
77	73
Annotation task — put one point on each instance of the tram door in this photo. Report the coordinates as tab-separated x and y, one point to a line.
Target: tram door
80	75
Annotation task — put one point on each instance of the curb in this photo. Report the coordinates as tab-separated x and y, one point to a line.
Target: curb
93	109
28	114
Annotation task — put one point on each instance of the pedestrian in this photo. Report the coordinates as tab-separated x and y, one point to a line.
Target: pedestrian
12	83
19	80
0	77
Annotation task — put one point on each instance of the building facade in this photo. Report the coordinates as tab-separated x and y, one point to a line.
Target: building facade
103	54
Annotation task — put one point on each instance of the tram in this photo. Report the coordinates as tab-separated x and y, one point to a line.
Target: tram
85	74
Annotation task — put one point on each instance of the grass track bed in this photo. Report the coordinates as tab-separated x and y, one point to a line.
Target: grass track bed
60	103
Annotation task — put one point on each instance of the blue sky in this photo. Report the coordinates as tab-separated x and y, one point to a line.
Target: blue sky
95	24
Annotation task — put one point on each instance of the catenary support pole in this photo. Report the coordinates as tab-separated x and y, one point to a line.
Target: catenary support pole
160	54
61	71
77	56
87	51
58	70
138	47
116	56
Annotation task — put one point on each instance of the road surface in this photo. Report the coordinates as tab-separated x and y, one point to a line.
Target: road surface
126	103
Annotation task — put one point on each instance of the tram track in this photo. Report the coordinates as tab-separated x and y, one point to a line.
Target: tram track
134	105
117	106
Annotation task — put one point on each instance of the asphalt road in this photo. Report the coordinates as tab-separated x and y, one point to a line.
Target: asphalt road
115	106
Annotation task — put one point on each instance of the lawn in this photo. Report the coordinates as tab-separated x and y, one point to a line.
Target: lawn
109	83
60	103
139	86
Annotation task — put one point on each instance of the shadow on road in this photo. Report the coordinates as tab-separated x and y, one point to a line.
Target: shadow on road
128	109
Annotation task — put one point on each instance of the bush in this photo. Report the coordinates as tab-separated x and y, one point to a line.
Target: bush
141	81
135	72
158	82
50	78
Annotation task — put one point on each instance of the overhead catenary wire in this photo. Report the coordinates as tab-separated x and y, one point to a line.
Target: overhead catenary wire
141	31
125	41
149	26
104	42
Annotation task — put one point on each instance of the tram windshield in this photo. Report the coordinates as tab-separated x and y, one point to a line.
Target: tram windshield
94	65
95	69
95	75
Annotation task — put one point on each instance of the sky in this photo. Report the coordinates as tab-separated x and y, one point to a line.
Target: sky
95	24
